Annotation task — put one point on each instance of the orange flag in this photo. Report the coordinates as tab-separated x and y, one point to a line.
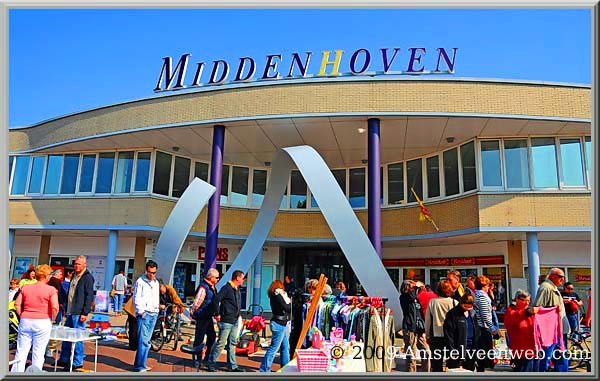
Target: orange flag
424	215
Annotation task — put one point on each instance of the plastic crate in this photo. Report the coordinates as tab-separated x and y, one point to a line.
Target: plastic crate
312	360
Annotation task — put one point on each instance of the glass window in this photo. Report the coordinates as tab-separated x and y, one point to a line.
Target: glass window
69	175
357	187
20	176
469	172
86	180
53	174
142	172
162	173
239	186
588	158
395	184
340	178
451	172
284	199
414	178
259	186
491	164
433	176
181	177
37	173
543	160
124	172
516	163
381	185
572	164
298	191
225	185
10	165
106	164
201	171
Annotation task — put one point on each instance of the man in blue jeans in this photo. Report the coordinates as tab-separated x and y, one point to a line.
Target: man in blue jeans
78	305
229	300
146	302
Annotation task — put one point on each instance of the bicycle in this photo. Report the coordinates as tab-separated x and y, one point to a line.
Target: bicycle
579	349
167	328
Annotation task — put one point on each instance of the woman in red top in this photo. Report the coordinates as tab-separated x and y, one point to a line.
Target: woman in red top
37	306
518	321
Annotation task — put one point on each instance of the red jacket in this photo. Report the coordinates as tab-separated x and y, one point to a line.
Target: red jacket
519	326
424	298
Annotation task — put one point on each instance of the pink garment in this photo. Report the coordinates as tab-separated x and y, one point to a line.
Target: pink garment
547	328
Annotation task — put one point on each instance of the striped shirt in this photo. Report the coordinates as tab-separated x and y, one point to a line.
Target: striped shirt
483	310
199	299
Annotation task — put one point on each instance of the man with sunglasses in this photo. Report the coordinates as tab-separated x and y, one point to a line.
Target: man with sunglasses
146	301
572	303
549	296
203	309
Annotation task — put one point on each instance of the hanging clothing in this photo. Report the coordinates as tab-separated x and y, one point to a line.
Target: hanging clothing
547	328
381	335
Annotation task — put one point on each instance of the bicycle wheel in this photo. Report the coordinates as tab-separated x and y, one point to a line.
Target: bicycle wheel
575	351
176	332
158	340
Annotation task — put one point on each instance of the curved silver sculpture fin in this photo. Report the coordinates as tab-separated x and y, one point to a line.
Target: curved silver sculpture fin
178	226
339	215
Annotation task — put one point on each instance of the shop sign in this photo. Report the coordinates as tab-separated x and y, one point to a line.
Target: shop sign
298	66
580	275
437	262
462	261
222	253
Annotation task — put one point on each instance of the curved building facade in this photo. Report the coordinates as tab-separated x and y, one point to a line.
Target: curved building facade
498	164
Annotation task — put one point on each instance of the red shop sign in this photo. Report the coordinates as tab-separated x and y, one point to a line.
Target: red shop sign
462	261
437	262
222	253
583	278
404	262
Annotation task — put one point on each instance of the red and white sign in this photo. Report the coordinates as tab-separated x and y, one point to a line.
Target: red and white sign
437	262
462	261
222	253
583	278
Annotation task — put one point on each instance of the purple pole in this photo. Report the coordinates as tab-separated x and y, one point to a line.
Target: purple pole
374	185
214	204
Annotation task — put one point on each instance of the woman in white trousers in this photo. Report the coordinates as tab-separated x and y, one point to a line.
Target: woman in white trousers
37	306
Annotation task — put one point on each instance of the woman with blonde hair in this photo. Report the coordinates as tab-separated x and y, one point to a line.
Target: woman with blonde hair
281	307
37	306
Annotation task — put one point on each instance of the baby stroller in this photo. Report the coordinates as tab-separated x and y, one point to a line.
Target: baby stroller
13	325
249	337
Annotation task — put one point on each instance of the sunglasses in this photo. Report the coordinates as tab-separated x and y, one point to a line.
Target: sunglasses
570	288
151	272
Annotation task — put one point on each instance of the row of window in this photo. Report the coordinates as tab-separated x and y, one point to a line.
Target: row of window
506	164
536	163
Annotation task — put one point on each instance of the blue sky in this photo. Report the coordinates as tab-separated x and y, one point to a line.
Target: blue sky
64	61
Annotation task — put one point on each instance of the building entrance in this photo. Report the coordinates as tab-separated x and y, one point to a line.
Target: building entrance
302	264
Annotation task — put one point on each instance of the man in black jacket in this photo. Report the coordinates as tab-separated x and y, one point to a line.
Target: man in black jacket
229	300
413	326
461	333
78	305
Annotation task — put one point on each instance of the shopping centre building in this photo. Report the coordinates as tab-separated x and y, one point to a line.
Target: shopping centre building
500	165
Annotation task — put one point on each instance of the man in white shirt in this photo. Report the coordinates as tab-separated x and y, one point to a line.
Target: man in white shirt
119	285
146	300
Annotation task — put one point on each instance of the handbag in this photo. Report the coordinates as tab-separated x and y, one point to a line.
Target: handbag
113	292
419	319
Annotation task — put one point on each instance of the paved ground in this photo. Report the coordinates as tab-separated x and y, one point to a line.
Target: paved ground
115	356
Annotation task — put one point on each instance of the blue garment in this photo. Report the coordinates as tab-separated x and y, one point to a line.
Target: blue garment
145	326
209	305
118	302
573	322
227	335
281	338
65	352
561	364
470	331
59	316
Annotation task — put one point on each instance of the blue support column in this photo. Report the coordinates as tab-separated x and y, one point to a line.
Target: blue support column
257	283
374	184
11	244
111	258
533	263
214	204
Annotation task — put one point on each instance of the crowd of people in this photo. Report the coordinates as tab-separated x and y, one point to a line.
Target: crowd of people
459	326
456	321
